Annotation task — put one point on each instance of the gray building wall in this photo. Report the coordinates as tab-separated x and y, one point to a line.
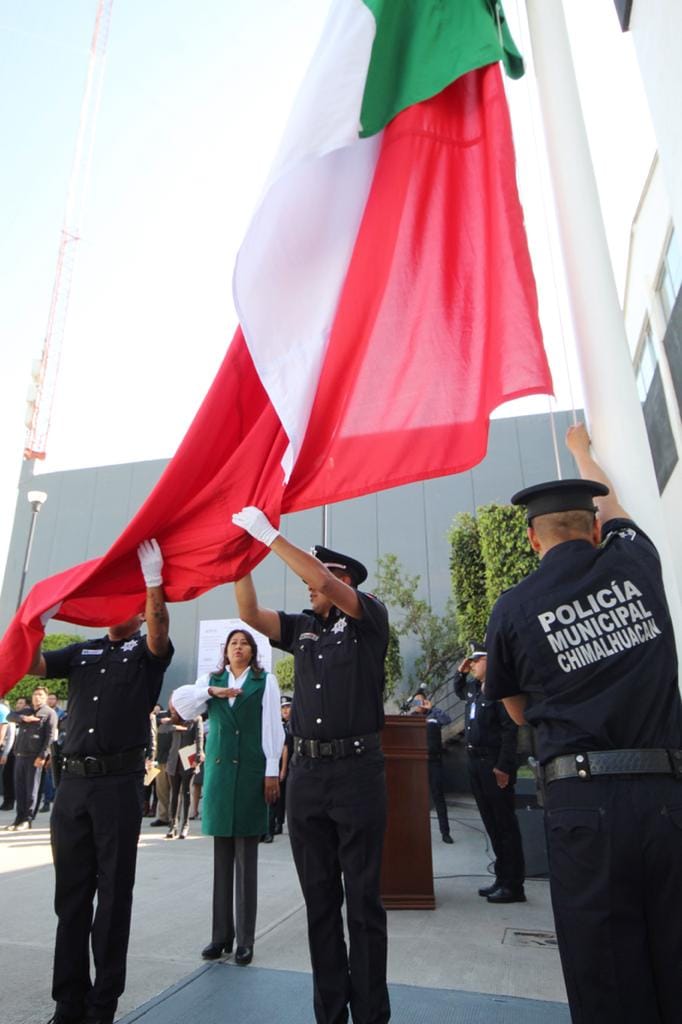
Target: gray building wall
87	509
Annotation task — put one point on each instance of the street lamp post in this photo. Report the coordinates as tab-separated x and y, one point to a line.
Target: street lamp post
36	499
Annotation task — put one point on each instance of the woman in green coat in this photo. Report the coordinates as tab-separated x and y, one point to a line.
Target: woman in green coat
241	777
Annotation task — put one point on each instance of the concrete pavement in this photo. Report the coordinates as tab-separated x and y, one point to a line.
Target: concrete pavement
465	943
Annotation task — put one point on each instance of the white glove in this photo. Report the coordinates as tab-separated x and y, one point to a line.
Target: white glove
257	524
151	562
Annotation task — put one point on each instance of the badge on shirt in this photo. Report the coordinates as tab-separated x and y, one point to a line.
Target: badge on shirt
87	650
340	625
129	645
308	636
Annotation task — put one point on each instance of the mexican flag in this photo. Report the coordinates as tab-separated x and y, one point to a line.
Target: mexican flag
386	302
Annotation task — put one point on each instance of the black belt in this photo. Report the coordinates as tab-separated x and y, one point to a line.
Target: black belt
613	762
482	751
105	764
336	748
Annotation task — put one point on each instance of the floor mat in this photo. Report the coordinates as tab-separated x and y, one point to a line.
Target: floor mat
226	994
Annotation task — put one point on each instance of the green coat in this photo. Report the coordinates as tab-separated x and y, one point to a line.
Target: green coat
234	770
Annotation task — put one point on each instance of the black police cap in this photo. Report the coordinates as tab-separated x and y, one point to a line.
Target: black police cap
335	560
559	496
477	650
285	700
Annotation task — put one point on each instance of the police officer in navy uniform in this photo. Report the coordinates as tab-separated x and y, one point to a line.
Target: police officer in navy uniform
336	798
114	682
491	740
583	649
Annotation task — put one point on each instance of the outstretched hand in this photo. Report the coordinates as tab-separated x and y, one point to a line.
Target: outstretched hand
578	440
257	524
151	562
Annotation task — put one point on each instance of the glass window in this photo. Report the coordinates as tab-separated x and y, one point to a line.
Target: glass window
645	367
671	276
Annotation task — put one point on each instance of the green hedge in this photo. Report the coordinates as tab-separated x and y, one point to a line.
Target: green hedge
26	686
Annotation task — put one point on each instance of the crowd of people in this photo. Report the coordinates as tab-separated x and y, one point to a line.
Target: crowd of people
582	650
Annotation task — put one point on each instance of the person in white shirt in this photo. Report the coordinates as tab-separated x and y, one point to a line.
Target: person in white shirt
241	778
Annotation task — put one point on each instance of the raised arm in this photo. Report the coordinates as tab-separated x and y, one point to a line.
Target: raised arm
155	612
308	568
578	443
265	620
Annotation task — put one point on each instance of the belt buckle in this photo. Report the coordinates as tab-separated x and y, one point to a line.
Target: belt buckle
582	767
326	748
92	769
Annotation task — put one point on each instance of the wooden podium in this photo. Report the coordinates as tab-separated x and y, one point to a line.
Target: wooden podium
407	868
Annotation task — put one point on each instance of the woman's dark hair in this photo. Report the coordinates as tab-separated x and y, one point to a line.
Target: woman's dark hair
254	664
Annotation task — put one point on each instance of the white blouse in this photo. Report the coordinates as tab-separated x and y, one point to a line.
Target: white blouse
190	701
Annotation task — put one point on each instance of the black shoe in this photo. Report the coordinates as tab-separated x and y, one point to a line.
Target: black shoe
7	806
159	823
506	895
447	838
59	1018
243	955
488	890
172	833
267	838
215	950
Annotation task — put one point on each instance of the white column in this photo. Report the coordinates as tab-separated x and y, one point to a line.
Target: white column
612	405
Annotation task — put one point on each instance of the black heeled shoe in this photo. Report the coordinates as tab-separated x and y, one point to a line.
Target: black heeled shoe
215	950
243	955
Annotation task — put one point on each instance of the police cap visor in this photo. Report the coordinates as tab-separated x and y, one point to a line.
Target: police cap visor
335	560
559	496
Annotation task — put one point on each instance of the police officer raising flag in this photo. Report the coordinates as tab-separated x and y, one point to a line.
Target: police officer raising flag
583	649
114	682
336	796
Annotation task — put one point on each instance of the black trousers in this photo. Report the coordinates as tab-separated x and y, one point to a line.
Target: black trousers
615	857
95	826
179	788
336	812
27	780
496	807
438	794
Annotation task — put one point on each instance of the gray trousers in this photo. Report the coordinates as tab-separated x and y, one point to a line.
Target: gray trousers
235	889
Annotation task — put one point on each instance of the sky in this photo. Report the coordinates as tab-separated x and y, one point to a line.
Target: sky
194	101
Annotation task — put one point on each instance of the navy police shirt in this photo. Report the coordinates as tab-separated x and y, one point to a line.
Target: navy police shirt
588	638
338	669
113	686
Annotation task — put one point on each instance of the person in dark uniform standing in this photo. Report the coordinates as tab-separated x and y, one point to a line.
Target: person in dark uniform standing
584	650
436	719
336	793
114	682
36	729
491	739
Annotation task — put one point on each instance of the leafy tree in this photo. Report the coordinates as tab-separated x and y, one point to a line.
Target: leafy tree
439	650
393	663
284	673
468	579
26	686
506	553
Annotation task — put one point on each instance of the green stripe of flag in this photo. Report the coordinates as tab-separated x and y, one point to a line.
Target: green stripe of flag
421	46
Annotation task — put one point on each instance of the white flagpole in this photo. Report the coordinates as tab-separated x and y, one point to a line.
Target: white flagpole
612	404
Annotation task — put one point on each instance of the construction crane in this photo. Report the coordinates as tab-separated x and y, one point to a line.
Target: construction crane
45	371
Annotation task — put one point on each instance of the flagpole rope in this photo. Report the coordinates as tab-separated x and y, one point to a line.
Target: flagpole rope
540	164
